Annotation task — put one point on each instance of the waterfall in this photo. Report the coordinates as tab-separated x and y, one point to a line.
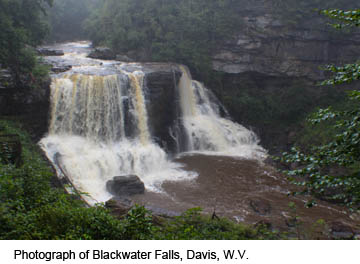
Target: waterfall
99	126
206	131
87	134
137	80
89	106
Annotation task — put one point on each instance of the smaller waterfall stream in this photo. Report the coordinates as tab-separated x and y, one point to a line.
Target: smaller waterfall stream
207	132
137	80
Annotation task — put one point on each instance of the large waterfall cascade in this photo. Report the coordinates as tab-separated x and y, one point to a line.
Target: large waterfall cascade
88	135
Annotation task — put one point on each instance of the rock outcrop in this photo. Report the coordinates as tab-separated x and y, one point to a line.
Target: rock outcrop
102	53
161	80
49	52
269	44
271	67
59	69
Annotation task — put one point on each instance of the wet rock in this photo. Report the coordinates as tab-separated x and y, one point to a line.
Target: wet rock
123	58
59	69
125	185
49	52
119	206
260	206
339	230
161	80
102	53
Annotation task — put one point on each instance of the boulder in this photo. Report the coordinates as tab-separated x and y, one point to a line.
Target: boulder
49	52
102	53
59	69
125	185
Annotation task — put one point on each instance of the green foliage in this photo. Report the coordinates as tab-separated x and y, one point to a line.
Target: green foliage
66	18
193	225
260	101
343	74
332	170
291	12
22	27
138	224
31	209
182	31
346	18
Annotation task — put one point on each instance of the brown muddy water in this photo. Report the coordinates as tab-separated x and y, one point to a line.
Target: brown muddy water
245	191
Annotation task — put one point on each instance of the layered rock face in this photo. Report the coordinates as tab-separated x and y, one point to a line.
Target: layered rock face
161	80
267	43
271	69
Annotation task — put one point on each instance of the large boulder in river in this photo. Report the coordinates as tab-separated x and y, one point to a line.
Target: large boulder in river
125	185
61	68
102	53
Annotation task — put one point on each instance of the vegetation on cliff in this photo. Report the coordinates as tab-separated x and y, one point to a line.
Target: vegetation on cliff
331	170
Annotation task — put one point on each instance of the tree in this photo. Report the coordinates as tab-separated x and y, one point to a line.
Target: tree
66	18
184	31
22	26
332	170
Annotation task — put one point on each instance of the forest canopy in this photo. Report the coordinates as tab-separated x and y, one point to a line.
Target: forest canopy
22	26
180	31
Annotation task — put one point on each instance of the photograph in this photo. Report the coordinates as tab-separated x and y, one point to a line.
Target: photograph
179	124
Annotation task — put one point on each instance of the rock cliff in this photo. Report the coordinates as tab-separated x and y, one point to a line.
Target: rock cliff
270	44
271	67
